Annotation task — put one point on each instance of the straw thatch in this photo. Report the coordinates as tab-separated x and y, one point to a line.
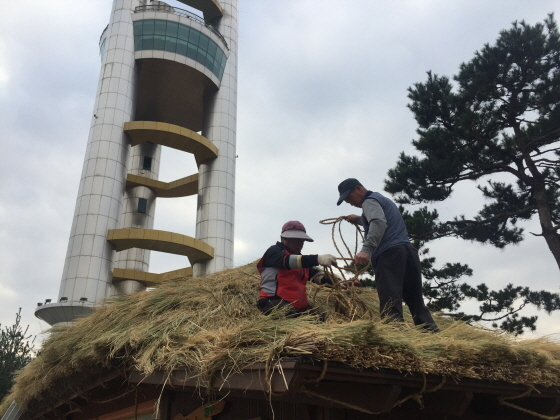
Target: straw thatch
210	325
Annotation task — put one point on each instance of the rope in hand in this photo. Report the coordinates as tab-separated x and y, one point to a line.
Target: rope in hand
337	223
344	293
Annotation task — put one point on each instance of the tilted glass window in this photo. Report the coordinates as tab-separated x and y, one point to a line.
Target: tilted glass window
147	163
158	34
142	205
102	48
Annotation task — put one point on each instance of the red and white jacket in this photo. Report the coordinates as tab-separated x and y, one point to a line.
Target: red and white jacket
285	275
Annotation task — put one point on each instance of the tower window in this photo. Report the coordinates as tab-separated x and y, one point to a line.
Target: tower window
102	49
147	164
142	205
157	34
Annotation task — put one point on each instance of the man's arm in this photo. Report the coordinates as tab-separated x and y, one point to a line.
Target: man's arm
377	224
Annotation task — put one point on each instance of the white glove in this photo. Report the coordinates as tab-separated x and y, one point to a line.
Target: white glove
326	260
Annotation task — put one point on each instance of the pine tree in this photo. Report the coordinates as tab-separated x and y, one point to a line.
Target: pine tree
444	292
500	119
496	122
16	351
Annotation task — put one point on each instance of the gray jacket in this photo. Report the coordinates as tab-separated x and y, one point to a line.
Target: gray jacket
383	224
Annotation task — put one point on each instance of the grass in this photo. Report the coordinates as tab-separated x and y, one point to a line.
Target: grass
211	324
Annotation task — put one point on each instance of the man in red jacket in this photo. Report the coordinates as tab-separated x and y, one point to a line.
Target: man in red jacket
285	272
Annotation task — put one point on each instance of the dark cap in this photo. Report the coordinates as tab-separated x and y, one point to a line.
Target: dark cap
345	187
294	230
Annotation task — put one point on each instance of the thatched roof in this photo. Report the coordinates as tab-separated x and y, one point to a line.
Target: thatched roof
209	325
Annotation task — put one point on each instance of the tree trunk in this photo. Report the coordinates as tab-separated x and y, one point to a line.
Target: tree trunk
550	235
538	187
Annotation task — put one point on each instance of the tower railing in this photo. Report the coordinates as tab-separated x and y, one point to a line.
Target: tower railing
181	12
104	30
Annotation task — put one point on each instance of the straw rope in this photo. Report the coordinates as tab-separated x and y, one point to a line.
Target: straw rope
322	375
502	400
336	222
344	293
417	396
340	402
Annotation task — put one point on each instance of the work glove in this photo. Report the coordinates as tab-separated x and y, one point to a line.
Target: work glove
325	279
318	278
326	260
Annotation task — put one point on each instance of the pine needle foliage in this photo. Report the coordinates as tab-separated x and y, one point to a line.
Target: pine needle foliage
210	326
16	351
497	123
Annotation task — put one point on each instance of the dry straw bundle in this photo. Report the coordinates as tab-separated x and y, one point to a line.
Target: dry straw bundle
211	325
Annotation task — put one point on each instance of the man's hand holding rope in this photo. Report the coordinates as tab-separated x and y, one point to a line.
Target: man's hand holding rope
359	258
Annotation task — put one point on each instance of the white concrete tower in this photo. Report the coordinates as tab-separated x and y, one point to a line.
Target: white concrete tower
216	196
168	79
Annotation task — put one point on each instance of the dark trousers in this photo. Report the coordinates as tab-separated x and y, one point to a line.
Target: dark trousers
267	304
399	278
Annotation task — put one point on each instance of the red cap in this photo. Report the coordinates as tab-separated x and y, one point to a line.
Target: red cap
296	230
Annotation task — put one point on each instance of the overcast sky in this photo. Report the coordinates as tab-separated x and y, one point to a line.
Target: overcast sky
322	96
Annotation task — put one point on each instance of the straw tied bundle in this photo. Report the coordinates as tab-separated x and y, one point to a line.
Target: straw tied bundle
211	325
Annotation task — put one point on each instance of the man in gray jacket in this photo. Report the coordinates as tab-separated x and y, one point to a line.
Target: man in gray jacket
394	259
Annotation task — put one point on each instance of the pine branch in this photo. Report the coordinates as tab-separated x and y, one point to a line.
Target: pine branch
471	223
540	141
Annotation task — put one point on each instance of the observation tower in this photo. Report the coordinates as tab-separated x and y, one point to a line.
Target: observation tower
168	79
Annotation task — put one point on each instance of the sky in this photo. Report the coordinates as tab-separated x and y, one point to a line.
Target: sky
322	96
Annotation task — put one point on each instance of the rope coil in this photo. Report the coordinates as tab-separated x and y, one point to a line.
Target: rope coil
344	292
336	222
